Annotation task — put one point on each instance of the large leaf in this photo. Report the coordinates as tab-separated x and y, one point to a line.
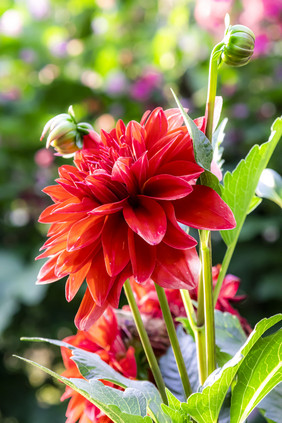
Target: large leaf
205	406
228	332
260	372
174	410
240	186
272	404
203	150
93	368
169	369
119	406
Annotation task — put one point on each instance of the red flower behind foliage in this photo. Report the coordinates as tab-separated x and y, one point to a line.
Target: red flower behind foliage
104	339
148	303
116	212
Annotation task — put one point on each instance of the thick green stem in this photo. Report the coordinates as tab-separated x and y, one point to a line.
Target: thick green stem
205	254
201	353
189	308
174	340
145	341
212	89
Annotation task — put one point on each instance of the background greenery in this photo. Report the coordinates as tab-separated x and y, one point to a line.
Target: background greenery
111	59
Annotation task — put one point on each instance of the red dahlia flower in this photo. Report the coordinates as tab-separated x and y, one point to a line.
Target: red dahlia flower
104	339
116	212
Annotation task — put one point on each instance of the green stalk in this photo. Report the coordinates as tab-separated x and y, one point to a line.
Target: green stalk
212	88
174	340
198	327
189	308
205	253
145	341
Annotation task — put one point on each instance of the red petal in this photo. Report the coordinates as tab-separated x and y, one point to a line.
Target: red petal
88	312
115	246
114	294
57	193
135	133
175	236
47	271
98	280
142	255
73	261
156	126
122	173
75	281
174	118
176	268
166	187
204	209
146	218
85	232
186	169
110	208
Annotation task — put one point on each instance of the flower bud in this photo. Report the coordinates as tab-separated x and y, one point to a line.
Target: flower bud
239	43
65	134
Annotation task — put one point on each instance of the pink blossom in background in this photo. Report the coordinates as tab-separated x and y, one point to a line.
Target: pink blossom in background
44	157
210	15
143	87
263	17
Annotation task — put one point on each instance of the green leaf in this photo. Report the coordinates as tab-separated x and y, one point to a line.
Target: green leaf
173	410
272	405
260	372
204	406
93	368
255	201
228	332
208	179
239	186
120	406
202	147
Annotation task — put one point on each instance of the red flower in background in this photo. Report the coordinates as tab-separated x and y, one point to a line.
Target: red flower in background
104	339
116	212
148	303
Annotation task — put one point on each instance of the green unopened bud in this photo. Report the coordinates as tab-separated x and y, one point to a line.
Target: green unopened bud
238	47
65	134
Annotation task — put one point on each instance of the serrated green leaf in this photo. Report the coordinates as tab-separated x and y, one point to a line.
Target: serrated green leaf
120	406
202	147
204	406
239	186
92	367
260	372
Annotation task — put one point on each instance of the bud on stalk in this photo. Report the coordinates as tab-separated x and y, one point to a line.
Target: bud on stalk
238	45
65	134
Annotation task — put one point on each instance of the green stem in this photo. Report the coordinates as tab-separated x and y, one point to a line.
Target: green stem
205	254
201	354
189	308
197	325
145	341
223	270
212	89
174	340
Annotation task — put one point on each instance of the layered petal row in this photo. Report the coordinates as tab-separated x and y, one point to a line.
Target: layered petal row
116	213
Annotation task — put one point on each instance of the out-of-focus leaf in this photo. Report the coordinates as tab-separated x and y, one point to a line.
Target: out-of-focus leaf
272	404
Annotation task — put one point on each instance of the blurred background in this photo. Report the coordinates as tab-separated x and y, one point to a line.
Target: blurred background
115	59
